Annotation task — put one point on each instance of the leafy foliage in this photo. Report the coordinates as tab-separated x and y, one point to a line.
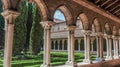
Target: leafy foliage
20	29
36	36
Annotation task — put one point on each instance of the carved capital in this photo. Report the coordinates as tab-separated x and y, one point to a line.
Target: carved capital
71	29
86	32
115	37
47	24
10	16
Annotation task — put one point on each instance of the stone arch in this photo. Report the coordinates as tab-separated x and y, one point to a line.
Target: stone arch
108	28
76	44
56	45
68	16
82	44
42	8
114	30
65	44
83	17
52	45
97	25
60	45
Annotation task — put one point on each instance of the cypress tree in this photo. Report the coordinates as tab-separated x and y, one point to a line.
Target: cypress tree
36	35
1	28
20	29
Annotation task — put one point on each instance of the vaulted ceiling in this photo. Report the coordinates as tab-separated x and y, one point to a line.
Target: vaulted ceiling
111	6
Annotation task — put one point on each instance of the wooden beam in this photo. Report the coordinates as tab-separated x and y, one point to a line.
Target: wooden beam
105	2
96	9
116	11
97	1
111	4
115	8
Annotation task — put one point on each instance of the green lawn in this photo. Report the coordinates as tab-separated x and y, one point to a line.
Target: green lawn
57	58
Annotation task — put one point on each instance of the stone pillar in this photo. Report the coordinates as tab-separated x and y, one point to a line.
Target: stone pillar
119	44
59	45
109	47
92	46
115	41
79	44
47	42
87	47
63	45
70	61
9	17
99	39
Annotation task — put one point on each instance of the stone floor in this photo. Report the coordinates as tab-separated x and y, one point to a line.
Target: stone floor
109	63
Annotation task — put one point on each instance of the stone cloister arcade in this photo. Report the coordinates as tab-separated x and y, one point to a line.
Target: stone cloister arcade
106	27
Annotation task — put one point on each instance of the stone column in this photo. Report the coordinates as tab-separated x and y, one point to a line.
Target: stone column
9	17
58	45
119	44
99	40
109	47
79	44
47	42
115	41
71	45
87	47
91	46
63	45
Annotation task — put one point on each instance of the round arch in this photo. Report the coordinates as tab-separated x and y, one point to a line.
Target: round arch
97	25
66	12
108	28
114	30
83	17
42	8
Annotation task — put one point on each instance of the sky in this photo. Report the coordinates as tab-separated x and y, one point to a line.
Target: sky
59	15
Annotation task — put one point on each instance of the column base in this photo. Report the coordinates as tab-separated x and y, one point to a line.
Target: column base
116	57
88	61
98	60
71	63
46	65
109	58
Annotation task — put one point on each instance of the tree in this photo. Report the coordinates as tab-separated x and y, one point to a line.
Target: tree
1	28
20	29
36	35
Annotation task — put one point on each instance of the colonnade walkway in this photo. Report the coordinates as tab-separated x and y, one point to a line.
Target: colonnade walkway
108	63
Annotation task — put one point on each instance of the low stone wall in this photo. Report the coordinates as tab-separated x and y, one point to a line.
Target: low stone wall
110	63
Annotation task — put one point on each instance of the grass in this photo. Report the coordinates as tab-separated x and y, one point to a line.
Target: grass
57	58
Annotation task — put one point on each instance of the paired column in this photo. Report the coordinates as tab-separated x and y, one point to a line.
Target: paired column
70	61
47	43
10	17
63	45
87	46
115	41
109	47
99	39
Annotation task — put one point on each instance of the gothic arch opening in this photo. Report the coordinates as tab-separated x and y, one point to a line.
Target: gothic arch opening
82	45
96	24
65	45
42	8
84	20
52	45
67	14
107	28
76	44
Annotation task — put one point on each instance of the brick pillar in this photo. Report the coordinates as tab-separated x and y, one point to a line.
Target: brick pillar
47	42
9	17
